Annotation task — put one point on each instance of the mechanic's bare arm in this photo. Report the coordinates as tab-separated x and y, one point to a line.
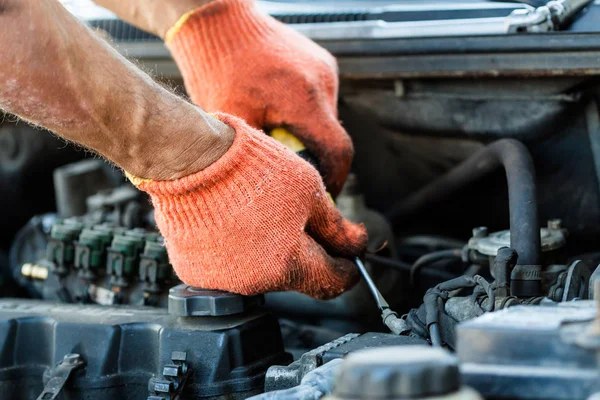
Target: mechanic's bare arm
56	73
155	16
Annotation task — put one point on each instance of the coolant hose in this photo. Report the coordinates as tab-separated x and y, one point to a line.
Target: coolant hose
520	175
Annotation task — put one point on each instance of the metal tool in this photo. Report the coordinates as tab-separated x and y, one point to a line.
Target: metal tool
389	317
382	304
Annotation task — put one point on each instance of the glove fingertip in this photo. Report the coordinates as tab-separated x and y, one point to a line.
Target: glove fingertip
352	241
342	275
356	239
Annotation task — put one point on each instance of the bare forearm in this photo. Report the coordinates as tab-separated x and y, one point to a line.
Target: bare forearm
155	16
57	74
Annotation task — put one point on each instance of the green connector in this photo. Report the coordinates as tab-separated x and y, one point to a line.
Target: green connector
157	252
90	250
124	253
61	249
143	234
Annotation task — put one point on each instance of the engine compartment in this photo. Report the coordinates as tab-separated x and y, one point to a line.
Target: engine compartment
476	173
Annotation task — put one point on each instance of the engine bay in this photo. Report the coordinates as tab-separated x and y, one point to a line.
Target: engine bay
476	174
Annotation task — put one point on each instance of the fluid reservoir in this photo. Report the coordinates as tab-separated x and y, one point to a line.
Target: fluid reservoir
401	372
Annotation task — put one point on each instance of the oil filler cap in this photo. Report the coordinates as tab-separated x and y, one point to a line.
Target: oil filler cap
188	301
398	372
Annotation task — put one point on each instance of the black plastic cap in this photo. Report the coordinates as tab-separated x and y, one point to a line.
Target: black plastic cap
188	301
398	372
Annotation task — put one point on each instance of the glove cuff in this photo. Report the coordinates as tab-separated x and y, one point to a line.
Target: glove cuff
248	150
220	20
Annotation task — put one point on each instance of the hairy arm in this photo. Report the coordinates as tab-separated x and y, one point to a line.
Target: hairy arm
155	16
57	74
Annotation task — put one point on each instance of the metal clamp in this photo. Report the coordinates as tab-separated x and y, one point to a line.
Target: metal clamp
59	375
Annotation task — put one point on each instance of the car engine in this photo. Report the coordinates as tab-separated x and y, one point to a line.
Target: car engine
476	129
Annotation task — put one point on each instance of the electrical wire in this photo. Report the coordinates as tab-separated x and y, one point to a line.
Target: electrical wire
430	258
381	302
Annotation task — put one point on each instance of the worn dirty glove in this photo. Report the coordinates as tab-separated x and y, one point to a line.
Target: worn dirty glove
238	60
256	220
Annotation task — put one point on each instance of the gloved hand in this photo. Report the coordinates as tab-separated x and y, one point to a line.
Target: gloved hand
256	220
238	60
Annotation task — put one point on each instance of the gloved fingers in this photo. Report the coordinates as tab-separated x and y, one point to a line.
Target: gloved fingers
336	234
326	139
322	276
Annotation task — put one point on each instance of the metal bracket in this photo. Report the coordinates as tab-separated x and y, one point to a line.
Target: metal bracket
59	375
175	375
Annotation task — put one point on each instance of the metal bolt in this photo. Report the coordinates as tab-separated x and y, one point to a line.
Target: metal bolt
480	232
555	224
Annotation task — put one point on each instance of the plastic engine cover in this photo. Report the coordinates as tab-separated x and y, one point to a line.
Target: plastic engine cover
532	352
124	347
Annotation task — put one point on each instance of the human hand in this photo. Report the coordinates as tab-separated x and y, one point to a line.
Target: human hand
56	73
257	220
238	60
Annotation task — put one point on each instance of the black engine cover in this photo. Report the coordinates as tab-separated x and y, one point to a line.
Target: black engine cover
124	347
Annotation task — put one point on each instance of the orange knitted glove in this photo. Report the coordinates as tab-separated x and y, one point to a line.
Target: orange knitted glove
257	220
240	61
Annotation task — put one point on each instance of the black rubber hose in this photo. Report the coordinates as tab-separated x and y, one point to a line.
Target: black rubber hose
430	300
503	264
430	258
434	297
435	335
489	291
404	266
520	174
